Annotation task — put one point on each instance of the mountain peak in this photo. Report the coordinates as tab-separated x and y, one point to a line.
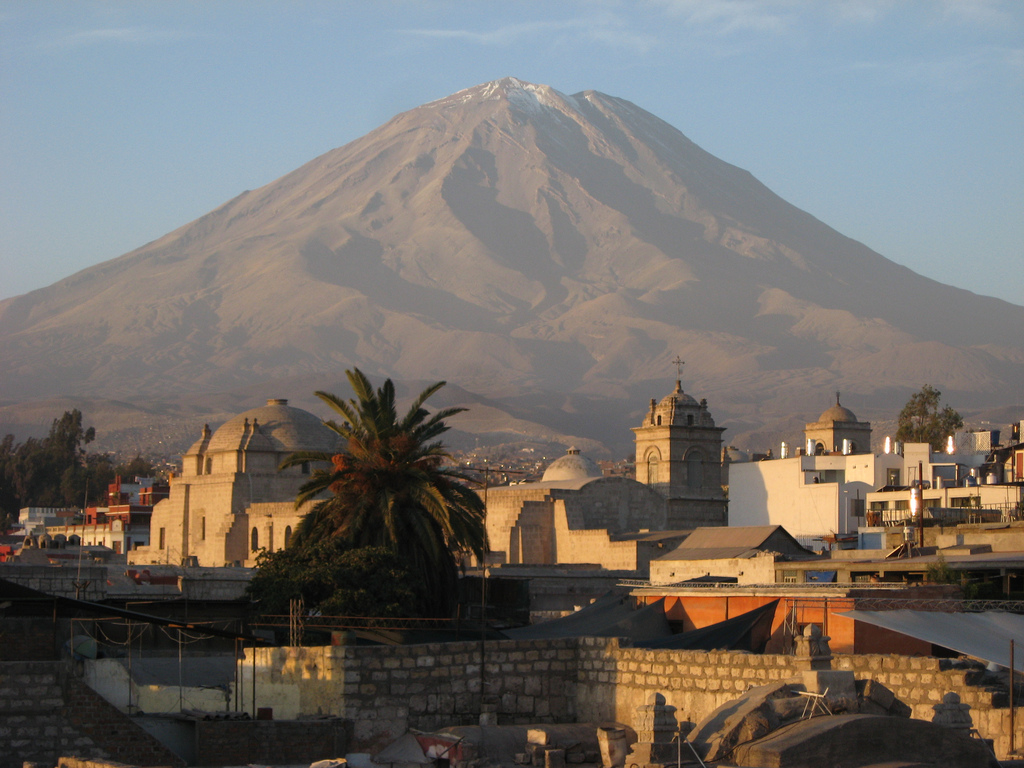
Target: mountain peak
517	241
521	95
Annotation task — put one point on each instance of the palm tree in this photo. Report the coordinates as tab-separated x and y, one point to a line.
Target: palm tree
389	487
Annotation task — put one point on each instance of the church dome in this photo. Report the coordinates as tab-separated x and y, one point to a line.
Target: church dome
276	427
735	455
572	466
678	409
677	398
837	413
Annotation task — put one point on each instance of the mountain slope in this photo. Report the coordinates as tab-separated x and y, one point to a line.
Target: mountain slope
513	240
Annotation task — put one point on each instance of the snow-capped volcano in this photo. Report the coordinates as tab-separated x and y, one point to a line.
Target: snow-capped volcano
523	244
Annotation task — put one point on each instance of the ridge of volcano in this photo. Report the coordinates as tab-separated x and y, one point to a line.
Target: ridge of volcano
546	253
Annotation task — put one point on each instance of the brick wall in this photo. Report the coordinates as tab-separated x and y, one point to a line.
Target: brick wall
45	712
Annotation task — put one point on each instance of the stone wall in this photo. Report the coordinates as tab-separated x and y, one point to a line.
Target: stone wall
614	681
269	742
60	581
32	638
386	690
45	713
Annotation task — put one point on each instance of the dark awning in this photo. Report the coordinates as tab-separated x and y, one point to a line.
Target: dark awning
608	616
747	632
69	607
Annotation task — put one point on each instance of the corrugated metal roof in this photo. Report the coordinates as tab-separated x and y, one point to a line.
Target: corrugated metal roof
747	537
984	635
710	553
728	542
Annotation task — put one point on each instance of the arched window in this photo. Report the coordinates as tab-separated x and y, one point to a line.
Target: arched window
287	536
305	467
209	466
659	421
694	470
255	540
689	419
819	449
652	468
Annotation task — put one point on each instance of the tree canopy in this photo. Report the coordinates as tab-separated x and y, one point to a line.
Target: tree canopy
924	420
390	487
336	580
56	471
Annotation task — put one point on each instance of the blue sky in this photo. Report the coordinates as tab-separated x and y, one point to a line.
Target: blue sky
900	123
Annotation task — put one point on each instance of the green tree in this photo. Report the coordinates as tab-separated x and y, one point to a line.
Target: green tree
390	488
336	581
924	420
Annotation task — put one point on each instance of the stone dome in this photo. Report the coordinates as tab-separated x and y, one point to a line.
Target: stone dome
276	427
677	398
678	409
736	456
572	466
837	413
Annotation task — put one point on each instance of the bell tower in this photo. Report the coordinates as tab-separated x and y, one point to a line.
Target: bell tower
679	454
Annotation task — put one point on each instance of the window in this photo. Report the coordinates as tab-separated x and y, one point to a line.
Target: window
789	577
892	476
659	421
694	470
689	419
652	469
209	466
305	467
287	536
163	538
255	544
202	529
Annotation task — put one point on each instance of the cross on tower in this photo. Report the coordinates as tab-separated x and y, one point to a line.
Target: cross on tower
679	363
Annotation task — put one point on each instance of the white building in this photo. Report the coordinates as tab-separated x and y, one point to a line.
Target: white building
819	492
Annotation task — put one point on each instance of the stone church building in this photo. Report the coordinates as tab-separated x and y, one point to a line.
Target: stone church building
575	515
230	500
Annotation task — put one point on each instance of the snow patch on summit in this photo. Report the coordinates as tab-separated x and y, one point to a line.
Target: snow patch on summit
526	97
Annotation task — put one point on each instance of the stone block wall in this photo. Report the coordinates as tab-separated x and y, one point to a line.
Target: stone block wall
614	681
921	682
32	638
269	742
46	713
60	581
386	690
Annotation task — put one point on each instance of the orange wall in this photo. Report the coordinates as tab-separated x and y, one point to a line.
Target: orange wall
696	611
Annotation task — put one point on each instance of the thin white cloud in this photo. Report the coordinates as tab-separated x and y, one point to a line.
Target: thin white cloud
961	72
604	28
977	12
112	35
728	16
